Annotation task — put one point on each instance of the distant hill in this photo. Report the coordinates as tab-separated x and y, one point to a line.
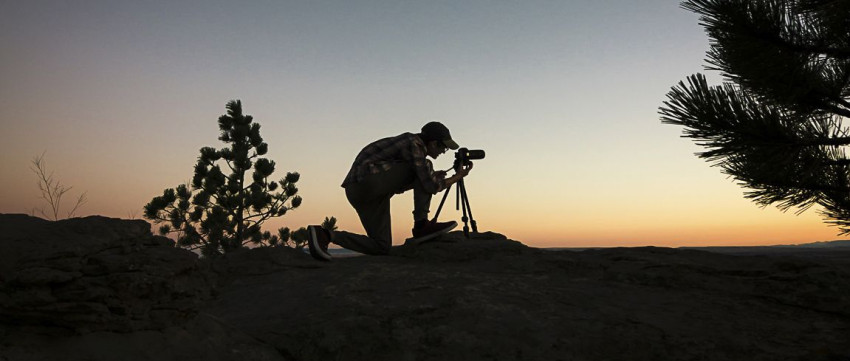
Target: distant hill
822	244
821	250
802	246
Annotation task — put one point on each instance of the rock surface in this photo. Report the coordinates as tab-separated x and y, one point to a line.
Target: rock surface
201	338
97	288
104	289
490	298
95	274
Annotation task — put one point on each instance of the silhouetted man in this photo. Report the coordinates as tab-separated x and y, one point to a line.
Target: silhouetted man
382	169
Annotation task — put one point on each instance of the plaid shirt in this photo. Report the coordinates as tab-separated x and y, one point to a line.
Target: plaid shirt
382	154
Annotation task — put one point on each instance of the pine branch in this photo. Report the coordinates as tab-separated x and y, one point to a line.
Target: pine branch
843	107
263	216
839	111
774	23
836	141
753	42
728	120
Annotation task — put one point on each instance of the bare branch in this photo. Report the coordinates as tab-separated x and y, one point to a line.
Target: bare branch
52	190
80	202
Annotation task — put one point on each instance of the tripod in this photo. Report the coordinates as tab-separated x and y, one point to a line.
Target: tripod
462	202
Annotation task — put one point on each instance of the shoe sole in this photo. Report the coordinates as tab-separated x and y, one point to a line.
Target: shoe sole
315	249
423	239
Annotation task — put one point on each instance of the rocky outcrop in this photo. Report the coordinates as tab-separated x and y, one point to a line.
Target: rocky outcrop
490	298
95	274
98	288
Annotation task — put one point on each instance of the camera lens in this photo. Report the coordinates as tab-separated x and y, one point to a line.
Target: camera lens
475	154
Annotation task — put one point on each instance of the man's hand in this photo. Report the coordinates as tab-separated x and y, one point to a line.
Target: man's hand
459	174
464	171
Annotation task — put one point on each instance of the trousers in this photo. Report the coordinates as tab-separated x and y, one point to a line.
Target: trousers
371	199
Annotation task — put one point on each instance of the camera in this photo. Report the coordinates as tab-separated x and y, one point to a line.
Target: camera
463	156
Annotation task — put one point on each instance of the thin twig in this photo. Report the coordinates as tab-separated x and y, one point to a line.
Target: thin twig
52	190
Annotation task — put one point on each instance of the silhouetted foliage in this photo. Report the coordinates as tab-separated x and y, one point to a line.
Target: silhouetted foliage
329	224
224	212
776	124
299	238
52	191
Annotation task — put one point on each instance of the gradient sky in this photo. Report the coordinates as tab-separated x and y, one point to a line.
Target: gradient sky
563	96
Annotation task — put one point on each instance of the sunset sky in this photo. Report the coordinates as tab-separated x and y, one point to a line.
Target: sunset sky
562	95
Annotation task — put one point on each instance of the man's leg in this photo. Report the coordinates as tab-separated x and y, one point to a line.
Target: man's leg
375	216
421	202
423	229
371	199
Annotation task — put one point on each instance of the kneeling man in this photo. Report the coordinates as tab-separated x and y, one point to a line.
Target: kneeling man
382	169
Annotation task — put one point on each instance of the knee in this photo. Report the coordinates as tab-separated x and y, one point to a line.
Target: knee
380	248
384	248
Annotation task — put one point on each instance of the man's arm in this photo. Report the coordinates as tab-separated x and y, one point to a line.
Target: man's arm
431	181
462	172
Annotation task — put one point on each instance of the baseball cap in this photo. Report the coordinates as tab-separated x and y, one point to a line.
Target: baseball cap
438	131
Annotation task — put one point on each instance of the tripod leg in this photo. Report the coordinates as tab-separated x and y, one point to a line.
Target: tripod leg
468	208
461	199
465	222
440	208
457	194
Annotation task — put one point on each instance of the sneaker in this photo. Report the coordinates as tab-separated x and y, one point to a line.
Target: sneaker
425	230
319	241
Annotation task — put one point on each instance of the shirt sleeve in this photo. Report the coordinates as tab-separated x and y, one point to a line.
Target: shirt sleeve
425	170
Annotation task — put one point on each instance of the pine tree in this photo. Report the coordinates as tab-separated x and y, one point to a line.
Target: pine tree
222	212
776	125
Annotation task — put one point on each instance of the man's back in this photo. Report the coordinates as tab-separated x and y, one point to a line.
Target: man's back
380	155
